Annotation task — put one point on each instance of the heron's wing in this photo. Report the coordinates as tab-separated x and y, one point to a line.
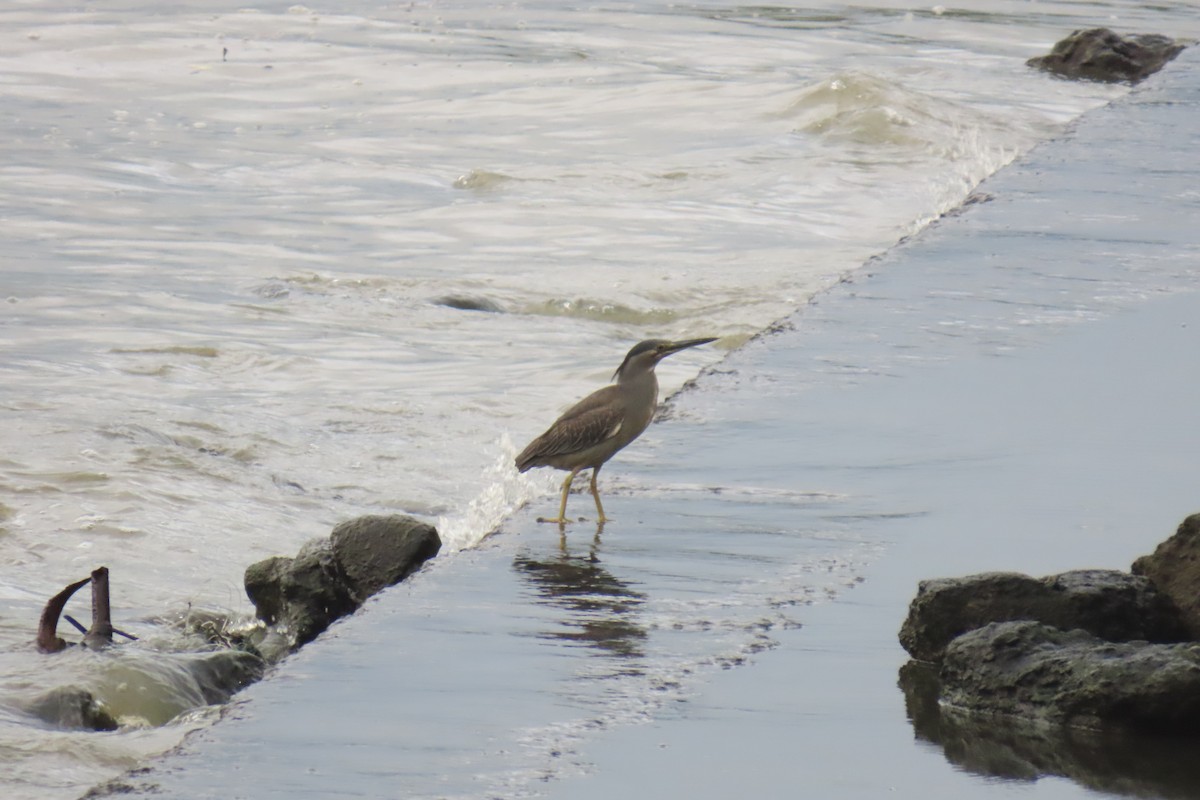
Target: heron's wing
590	422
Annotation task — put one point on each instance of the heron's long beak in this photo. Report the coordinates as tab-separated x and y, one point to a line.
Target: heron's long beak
675	347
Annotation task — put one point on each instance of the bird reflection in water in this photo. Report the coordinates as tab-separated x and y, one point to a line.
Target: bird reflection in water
601	608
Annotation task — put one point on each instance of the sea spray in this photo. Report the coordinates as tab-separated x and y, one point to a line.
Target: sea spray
505	490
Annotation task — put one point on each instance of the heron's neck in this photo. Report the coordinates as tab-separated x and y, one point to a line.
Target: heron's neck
642	389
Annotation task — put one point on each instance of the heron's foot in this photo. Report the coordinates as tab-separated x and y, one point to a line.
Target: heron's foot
560	521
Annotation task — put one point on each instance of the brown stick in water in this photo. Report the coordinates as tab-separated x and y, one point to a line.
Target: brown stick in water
48	640
100	634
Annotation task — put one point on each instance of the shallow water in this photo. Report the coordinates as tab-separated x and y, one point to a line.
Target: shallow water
232	234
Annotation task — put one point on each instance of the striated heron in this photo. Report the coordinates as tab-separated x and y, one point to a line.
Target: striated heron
594	429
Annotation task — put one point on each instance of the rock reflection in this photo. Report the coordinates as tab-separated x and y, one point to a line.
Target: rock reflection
1017	749
601	607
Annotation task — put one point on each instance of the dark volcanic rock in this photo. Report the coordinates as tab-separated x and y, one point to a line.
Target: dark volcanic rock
1174	568
1099	54
303	595
330	578
1031	670
264	586
375	552
1113	605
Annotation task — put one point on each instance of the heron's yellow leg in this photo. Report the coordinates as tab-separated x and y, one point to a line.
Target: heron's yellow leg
561	519
596	494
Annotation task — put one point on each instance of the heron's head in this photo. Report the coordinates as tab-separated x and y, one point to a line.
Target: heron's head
645	355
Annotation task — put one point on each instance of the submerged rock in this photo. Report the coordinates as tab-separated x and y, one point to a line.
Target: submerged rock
1174	567
330	578
144	687
1099	54
223	673
464	302
72	708
1112	605
1032	670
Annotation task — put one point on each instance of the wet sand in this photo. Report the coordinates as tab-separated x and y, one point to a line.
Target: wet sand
1013	389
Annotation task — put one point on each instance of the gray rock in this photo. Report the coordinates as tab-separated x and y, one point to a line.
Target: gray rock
73	708
1031	670
1099	54
1112	605
1174	568
330	578
375	552
264	586
302	595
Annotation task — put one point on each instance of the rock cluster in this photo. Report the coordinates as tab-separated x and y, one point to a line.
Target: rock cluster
298	597
1108	604
1093	649
1027	668
330	578
1098	54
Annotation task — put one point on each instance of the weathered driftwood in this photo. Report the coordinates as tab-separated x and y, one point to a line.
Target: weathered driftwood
48	640
100	634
